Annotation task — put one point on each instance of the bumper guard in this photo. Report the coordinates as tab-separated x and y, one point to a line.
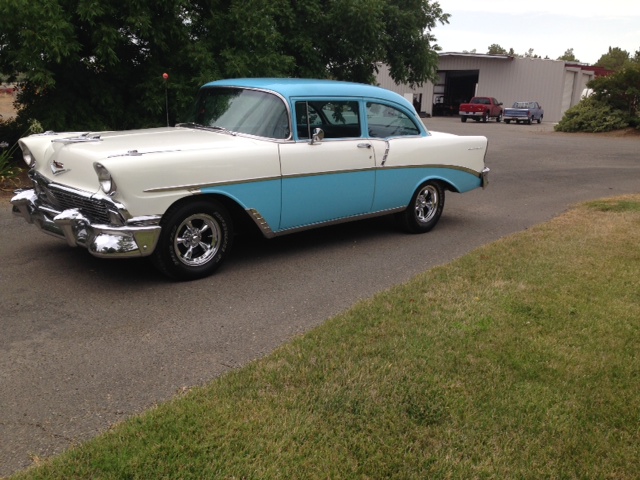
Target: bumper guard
136	238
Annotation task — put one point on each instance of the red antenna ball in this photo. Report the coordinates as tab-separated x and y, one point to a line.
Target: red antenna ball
165	76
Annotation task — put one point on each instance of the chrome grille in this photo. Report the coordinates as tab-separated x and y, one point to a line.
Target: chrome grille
61	198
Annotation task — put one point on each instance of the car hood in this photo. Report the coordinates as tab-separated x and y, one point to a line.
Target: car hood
68	158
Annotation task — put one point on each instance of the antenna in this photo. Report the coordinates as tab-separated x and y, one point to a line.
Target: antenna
165	76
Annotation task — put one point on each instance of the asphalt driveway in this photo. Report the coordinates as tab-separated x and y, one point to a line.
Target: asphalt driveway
85	343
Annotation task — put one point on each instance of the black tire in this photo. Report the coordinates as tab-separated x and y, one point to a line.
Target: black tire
507	121
463	119
195	239
540	119
485	117
499	118
528	121
425	208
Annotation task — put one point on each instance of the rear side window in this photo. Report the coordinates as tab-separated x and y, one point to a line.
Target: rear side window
337	118
385	121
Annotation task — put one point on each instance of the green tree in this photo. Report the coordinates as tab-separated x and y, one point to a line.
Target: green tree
614	59
620	90
614	104
495	49
568	56
99	64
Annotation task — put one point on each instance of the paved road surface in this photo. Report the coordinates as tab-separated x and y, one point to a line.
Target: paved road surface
84	343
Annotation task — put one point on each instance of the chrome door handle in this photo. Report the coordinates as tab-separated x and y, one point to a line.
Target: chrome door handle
364	145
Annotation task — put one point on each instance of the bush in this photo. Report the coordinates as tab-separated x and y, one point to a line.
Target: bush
591	115
10	156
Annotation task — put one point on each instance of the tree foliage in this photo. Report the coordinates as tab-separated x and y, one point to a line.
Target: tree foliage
615	103
614	59
568	56
621	90
98	64
495	49
593	116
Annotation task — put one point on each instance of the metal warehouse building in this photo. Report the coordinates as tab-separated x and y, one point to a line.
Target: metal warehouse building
555	84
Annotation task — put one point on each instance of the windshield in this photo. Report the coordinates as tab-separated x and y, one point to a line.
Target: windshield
243	111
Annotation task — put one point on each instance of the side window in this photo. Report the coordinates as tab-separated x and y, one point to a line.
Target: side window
337	118
386	121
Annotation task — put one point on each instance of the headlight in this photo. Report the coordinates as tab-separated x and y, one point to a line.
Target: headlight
104	177
28	157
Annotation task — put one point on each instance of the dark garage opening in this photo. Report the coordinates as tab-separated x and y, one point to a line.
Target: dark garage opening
455	87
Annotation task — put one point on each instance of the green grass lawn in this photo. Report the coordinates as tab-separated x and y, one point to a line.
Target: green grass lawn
520	360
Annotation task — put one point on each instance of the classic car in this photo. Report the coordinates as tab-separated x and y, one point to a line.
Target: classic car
526	112
282	155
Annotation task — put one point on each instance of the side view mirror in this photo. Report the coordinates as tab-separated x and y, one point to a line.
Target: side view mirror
318	136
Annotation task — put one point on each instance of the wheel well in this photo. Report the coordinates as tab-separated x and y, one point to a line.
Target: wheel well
443	183
241	220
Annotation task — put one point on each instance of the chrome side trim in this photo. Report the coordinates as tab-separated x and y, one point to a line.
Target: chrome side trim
261	223
85	137
269	233
386	153
136	153
196	187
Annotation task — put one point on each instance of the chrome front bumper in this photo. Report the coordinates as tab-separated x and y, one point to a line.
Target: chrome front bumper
484	177
137	237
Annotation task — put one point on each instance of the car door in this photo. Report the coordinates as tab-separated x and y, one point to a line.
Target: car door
399	148
330	179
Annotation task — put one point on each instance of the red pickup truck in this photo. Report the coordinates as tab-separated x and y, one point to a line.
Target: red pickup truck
481	108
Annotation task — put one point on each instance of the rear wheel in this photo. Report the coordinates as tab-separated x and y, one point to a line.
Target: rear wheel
485	117
507	121
425	208
195	239
463	119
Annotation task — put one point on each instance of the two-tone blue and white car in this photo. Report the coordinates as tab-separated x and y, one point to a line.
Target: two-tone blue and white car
286	154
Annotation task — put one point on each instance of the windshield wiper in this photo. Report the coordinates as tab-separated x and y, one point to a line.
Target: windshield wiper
205	127
191	125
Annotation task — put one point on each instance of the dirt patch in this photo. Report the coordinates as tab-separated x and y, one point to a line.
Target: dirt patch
7	110
627	132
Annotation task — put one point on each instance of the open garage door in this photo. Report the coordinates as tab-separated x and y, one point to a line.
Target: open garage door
453	88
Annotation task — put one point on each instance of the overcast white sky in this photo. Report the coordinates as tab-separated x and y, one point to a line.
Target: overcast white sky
550	27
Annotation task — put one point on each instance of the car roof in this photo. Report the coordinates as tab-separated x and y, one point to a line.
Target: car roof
306	87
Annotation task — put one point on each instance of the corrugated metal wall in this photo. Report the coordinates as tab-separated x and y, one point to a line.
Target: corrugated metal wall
554	84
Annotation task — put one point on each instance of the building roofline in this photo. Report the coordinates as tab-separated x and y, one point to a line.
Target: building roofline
476	55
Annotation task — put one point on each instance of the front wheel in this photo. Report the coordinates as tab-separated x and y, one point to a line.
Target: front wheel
499	118
425	208
507	121
195	238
